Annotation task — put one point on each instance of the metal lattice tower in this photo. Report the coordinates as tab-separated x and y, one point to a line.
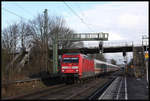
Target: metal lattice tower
138	61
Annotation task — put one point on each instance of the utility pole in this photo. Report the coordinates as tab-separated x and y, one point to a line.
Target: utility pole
54	41
55	44
55	53
45	38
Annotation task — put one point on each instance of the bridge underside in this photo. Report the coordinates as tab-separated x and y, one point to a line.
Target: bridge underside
96	50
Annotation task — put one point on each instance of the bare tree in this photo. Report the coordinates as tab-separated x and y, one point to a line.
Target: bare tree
6	44
66	32
40	32
43	31
10	38
9	45
25	35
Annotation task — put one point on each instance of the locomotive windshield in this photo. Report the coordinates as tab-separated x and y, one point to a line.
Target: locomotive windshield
70	60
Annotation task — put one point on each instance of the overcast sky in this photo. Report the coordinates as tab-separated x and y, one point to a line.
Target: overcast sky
124	21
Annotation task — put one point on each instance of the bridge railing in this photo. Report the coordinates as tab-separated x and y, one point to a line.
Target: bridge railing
117	44
120	44
85	37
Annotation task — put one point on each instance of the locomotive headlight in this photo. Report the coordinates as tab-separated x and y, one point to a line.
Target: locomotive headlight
74	67
64	67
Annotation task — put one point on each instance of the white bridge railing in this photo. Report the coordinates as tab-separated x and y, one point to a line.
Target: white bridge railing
120	44
117	44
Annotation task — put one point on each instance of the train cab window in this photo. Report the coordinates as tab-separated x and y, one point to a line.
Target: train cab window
70	60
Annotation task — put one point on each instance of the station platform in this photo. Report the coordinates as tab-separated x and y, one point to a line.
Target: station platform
127	88
137	88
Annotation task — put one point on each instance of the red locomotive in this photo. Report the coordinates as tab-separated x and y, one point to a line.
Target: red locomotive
76	66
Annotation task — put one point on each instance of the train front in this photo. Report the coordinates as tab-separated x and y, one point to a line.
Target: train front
70	66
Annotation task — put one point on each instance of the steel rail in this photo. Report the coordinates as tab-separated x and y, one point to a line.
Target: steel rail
31	94
100	90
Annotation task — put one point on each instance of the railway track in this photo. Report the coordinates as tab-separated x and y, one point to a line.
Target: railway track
83	93
74	91
114	90
35	93
79	91
111	90
100	90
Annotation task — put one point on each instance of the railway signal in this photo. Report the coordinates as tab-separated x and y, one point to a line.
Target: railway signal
101	47
146	56
124	54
